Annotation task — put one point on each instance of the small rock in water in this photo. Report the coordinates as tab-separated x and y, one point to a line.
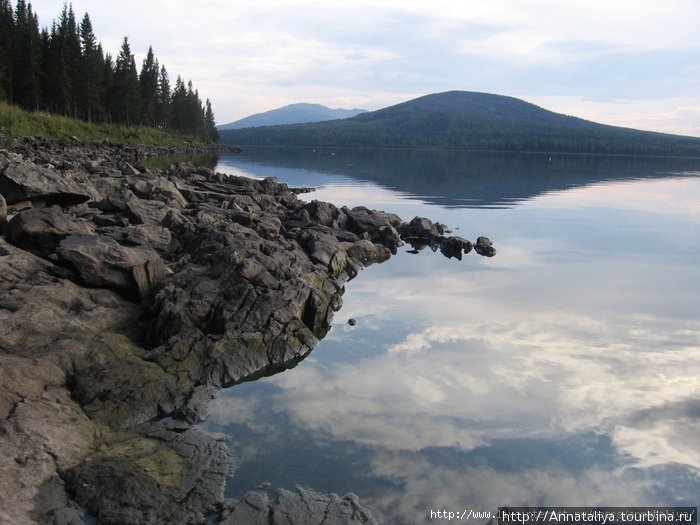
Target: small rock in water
484	247
265	485
352	322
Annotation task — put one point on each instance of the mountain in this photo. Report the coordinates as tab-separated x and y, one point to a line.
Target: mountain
469	120
292	114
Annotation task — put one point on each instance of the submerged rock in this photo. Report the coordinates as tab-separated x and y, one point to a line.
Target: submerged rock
300	507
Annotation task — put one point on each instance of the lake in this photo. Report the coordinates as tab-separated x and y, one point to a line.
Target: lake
564	371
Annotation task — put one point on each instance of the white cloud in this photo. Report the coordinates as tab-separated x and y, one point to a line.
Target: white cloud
542	376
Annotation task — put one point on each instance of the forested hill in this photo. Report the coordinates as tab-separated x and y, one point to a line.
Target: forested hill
292	114
469	120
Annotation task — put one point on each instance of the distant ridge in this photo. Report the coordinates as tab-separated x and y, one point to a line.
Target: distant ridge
469	120
292	114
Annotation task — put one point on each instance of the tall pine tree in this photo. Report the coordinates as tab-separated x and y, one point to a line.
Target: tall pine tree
127	96
90	84
148	81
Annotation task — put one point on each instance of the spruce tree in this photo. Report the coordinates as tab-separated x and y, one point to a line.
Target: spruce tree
148	81
163	104
108	92
127	99
211	134
89	86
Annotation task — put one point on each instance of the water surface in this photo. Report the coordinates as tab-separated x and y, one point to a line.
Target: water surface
563	371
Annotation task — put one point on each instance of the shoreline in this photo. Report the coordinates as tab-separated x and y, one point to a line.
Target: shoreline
130	295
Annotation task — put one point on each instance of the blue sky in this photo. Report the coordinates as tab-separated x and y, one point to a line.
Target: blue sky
632	63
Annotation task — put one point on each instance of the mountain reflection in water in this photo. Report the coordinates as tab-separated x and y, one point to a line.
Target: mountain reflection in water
564	371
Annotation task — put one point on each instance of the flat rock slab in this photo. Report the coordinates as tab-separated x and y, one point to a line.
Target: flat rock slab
102	261
40	230
20	181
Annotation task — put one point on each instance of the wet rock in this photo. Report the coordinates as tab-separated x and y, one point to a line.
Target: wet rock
484	247
455	247
380	227
352	322
40	230
20	180
101	261
299	507
322	213
368	252
159	474
421	228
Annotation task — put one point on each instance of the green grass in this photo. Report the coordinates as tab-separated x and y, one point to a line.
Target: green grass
17	123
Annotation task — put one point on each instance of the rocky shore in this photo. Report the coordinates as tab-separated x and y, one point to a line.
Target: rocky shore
129	296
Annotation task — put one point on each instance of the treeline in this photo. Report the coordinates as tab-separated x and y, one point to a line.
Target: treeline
65	71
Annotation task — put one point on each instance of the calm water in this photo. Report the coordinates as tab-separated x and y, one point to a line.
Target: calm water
563	371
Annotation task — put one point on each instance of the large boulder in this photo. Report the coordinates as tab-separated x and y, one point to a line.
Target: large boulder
40	230
21	180
101	261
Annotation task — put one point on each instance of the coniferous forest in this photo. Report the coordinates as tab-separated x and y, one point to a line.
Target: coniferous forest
65	71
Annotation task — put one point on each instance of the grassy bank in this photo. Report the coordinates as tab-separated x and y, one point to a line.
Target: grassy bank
16	123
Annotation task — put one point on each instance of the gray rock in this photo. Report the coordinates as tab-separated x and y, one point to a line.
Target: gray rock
455	247
157	189
156	237
421	227
101	261
377	226
21	180
143	211
3	209
322	213
368	252
484	247
40	230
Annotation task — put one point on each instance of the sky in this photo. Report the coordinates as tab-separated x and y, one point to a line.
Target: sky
633	63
